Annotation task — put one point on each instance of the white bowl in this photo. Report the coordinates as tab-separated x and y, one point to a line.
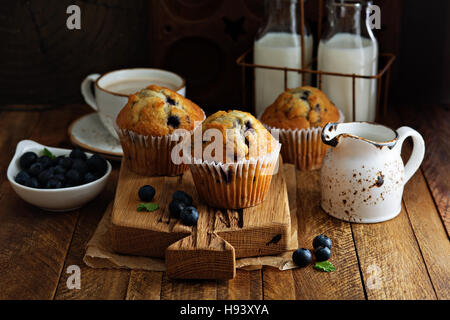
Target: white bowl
55	200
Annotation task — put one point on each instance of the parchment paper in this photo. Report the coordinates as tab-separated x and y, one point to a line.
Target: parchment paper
100	255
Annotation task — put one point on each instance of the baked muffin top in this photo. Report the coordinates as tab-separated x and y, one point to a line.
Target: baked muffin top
301	108
244	137
158	111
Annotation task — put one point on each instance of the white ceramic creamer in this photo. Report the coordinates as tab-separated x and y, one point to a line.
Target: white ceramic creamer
363	175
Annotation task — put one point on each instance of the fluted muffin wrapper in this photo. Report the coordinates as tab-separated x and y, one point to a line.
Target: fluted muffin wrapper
236	185
303	147
151	155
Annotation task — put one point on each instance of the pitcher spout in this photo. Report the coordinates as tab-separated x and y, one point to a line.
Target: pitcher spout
330	135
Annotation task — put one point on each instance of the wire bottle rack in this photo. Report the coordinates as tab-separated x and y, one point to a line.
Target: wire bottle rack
382	77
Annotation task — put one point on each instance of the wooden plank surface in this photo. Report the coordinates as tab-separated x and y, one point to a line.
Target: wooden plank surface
434	127
345	282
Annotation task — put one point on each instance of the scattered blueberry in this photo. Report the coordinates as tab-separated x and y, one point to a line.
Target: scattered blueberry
146	193
302	257
183	197
322	241
27	159
89	177
189	216
173	121
97	163
53	184
322	253
35	169
22	178
175	208
78	154
80	166
45	161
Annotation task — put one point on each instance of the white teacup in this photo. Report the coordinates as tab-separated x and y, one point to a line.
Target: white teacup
113	88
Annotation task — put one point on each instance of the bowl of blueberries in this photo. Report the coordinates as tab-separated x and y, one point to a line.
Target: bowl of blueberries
55	179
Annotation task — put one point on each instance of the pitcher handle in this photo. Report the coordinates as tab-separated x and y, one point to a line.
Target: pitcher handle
418	151
86	90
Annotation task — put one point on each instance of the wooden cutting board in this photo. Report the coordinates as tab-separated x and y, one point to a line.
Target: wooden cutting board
209	250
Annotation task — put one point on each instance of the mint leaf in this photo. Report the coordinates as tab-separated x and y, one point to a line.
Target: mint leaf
48	153
149	207
325	266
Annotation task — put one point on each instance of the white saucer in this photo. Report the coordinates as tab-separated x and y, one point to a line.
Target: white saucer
89	133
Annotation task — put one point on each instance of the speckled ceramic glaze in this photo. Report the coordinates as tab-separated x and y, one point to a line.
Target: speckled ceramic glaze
363	174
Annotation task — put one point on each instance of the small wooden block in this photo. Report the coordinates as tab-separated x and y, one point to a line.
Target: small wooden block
209	250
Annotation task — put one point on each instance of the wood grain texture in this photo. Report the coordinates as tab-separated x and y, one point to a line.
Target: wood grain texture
430	233
247	285
391	262
279	285
433	125
345	282
106	284
144	285
34	243
312	221
207	251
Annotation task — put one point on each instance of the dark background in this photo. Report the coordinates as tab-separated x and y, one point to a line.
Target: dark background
41	61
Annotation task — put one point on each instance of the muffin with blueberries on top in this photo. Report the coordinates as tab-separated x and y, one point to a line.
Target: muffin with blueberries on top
234	166
147	127
300	114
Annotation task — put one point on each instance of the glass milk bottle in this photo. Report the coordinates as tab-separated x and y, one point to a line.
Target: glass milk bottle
349	46
278	44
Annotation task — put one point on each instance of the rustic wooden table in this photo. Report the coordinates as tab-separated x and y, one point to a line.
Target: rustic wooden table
406	258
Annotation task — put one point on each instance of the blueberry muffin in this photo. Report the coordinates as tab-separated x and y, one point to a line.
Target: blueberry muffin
299	114
234	166
243	135
301	108
150	126
157	111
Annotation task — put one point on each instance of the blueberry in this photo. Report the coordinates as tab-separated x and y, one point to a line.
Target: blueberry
60	177
189	216
173	121
45	176
33	183
175	208
80	166
78	154
322	253
97	163
53	184
146	193
171	101
322	241
248	126
22	178
65	162
73	178
27	159
35	169
89	177
60	169
302	257
183	197
45	161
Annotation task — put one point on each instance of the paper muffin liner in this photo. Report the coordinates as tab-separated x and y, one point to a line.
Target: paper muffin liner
152	155
236	185
303	147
